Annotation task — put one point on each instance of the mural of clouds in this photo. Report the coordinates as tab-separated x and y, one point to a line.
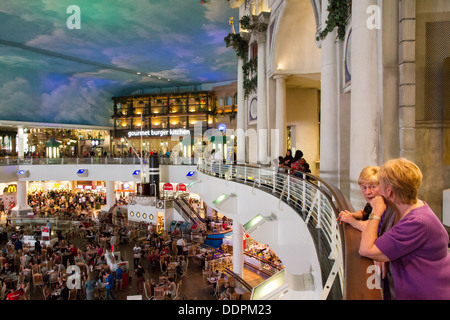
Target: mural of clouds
53	74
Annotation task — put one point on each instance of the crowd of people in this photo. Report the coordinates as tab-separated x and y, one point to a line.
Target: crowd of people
295	165
68	203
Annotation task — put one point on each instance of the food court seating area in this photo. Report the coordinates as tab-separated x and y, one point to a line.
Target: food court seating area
169	273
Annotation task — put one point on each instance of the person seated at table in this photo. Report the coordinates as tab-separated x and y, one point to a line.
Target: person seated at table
47	292
16	294
180	265
64	290
79	258
226	295
61	268
7	269
154	257
73	250
165	250
221	279
170	288
99	250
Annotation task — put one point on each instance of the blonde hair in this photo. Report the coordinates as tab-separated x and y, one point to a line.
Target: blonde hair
404	177
369	174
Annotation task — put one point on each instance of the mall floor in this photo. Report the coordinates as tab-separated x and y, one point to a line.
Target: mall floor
193	285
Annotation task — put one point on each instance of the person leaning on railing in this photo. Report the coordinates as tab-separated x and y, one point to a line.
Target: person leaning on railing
368	182
417	244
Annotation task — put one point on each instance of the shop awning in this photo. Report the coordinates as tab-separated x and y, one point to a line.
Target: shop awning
168	187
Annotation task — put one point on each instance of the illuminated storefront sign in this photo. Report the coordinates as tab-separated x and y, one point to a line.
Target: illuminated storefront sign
159	133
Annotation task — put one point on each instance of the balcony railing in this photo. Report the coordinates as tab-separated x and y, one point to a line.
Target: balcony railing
318	204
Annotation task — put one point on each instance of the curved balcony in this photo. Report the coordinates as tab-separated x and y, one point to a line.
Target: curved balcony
344	272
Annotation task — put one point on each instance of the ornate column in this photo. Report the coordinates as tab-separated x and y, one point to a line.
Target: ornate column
365	115
258	30
239	43
280	119
329	115
241	113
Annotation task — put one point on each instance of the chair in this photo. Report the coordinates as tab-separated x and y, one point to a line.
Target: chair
234	296
159	293
101	293
148	290
171	273
174	248
46	291
82	266
246	295
161	267
23	261
3	292
185	268
43	265
53	278
219	284
35	268
20	280
178	291
73	294
37	280
191	252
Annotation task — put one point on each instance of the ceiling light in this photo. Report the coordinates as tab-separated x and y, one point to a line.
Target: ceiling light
222	198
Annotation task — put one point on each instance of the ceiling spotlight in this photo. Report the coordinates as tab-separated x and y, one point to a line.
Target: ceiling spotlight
136	173
82	173
23	173
192	175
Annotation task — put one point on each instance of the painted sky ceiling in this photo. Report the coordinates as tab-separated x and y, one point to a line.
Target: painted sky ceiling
52	72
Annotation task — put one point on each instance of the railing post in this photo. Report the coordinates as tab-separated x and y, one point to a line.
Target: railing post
288	187
259	176
319	209
274	181
304	195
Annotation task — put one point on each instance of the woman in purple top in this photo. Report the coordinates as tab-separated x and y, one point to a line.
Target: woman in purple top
417	244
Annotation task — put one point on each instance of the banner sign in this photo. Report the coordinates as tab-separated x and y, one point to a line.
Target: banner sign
159	133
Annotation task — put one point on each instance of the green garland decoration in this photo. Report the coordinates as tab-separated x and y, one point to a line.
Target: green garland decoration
239	45
338	14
